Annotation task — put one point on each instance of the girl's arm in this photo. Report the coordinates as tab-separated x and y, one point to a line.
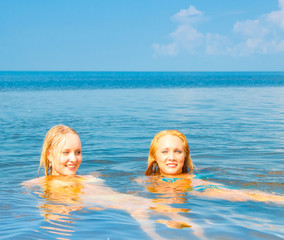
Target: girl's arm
32	182
215	190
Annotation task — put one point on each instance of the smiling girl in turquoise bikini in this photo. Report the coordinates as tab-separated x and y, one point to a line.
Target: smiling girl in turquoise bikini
171	170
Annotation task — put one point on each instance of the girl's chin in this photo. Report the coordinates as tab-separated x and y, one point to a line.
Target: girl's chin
65	172
172	172
70	173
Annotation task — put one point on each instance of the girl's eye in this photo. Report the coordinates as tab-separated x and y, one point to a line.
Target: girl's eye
78	153
65	153
164	151
178	151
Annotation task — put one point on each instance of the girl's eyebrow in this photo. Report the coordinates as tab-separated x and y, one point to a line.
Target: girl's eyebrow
164	148
65	149
68	149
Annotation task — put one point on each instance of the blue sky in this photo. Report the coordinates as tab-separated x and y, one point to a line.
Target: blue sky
142	35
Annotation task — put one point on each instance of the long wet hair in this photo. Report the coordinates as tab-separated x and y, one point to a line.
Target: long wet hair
50	145
153	167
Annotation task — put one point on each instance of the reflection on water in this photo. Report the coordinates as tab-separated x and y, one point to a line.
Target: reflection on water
169	192
61	195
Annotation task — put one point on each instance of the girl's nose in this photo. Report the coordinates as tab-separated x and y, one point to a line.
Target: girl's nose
172	155
73	157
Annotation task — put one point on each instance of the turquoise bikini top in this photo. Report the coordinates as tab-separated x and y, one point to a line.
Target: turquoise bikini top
170	180
196	188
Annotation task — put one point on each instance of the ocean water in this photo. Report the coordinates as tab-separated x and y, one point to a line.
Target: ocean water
234	123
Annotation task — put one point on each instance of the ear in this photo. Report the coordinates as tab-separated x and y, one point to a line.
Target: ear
48	155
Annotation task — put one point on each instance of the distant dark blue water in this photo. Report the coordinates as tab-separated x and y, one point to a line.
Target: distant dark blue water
108	80
234	123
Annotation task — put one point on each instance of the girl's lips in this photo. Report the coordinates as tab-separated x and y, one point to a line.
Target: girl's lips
172	165
73	166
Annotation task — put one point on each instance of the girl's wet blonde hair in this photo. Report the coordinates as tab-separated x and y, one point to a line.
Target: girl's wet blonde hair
153	167
50	145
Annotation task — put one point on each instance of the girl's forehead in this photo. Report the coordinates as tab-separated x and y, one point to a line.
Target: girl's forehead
59	144
72	140
169	140
69	140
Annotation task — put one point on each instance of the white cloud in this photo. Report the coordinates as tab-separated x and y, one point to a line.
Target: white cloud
165	50
277	17
187	37
250	28
263	35
185	15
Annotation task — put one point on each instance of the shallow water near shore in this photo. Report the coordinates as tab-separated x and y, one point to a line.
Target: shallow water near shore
235	133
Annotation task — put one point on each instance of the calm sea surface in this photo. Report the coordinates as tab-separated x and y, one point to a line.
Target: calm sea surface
234	123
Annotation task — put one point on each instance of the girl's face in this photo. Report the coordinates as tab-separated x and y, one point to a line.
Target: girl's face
170	155
70	157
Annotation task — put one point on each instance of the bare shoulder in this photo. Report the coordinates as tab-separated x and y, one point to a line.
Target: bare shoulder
32	182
